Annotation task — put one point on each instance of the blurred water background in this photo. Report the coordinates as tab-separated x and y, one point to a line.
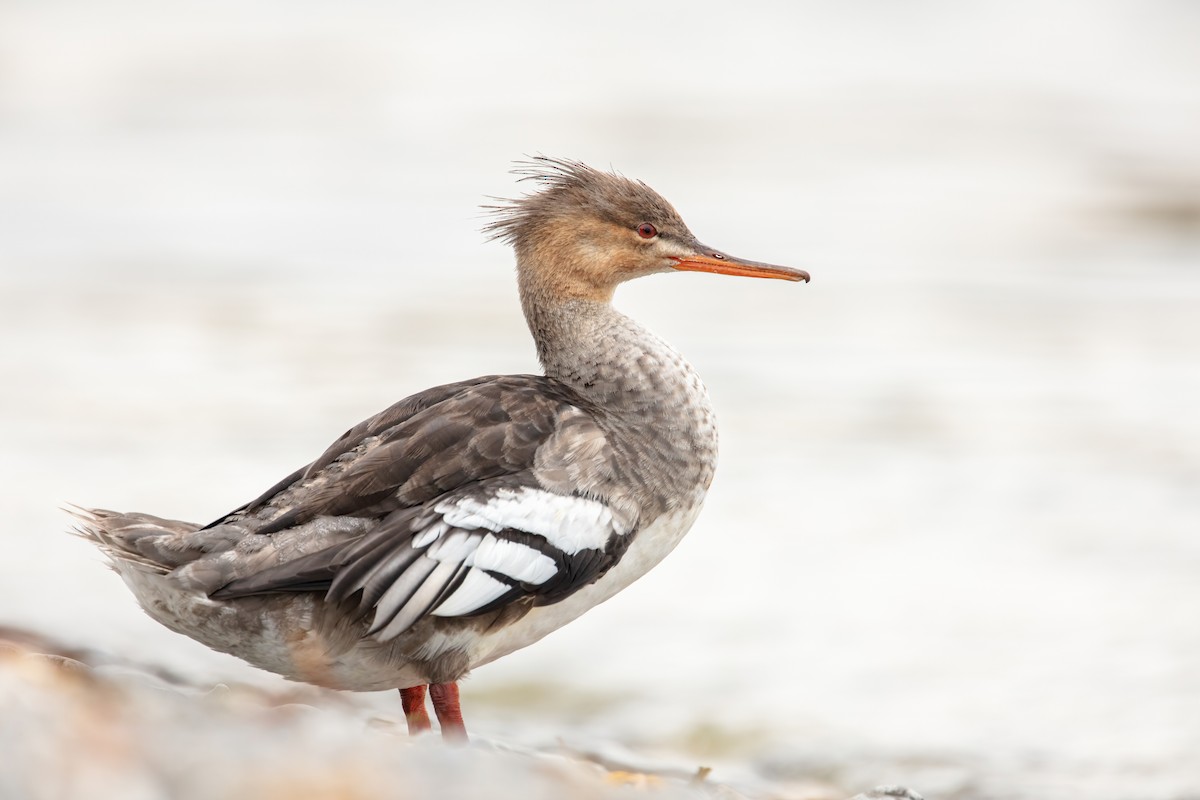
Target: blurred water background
955	537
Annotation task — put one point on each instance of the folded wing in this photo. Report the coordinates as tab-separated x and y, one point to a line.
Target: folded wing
497	493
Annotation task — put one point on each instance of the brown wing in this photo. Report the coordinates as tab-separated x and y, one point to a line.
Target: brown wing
499	491
353	438
419	448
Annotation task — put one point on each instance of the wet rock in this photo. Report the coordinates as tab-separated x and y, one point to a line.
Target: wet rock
888	793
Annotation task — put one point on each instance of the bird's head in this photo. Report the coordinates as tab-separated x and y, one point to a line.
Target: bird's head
587	231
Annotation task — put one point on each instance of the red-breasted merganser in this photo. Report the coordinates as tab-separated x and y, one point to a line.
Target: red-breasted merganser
469	520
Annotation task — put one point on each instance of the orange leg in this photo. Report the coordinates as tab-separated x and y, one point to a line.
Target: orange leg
413	700
445	705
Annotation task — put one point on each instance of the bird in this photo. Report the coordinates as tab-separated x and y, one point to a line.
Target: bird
469	520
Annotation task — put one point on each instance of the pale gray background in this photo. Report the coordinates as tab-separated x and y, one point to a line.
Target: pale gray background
956	529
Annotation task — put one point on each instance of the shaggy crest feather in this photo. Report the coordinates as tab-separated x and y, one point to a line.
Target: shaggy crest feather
572	188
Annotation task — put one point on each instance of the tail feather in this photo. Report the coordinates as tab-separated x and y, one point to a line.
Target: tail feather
141	540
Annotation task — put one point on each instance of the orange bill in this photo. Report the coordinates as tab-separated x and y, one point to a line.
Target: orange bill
721	264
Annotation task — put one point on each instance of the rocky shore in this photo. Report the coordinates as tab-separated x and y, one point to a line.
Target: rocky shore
79	724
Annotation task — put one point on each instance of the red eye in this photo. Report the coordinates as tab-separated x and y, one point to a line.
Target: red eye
647	231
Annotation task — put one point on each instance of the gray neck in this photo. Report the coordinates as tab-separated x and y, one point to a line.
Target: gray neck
647	397
606	356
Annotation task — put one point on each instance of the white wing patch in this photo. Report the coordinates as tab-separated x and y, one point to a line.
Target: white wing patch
514	560
466	547
476	591
569	523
